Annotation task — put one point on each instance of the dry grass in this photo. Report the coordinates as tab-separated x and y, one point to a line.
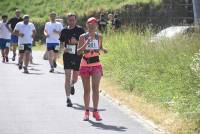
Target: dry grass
170	122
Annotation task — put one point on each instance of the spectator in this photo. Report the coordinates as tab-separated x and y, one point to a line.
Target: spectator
102	22
116	22
110	22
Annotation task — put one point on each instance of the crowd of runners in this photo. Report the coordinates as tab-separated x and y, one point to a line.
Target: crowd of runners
81	50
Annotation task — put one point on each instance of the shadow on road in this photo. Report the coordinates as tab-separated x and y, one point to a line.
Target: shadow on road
30	73
10	63
34	69
35	64
100	125
57	72
81	107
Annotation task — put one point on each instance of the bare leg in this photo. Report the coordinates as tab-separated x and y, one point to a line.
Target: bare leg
74	77
67	82
14	48
6	51
26	58
21	57
2	52
51	57
95	88
86	86
31	58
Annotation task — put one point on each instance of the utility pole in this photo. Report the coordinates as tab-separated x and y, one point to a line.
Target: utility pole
196	8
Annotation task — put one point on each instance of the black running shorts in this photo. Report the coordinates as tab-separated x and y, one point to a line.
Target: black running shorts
72	61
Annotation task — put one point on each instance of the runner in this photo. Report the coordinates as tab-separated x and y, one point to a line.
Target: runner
52	32
11	26
90	45
4	38
26	32
69	38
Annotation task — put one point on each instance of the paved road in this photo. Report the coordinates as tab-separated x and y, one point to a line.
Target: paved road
35	104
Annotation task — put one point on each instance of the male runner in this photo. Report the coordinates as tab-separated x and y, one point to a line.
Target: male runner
69	38
4	38
26	32
52	32
11	26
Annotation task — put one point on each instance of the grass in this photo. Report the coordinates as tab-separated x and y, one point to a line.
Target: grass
163	73
41	8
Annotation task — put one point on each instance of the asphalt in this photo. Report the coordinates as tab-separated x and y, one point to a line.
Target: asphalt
35	103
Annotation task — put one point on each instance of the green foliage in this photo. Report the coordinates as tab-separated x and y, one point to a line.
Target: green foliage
41	8
162	72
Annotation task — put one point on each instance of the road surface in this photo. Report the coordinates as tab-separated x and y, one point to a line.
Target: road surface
35	103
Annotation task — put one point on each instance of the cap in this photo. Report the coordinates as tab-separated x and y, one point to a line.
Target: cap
26	17
52	13
92	20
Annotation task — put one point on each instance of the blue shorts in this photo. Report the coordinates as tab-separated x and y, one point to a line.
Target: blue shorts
14	39
4	43
53	46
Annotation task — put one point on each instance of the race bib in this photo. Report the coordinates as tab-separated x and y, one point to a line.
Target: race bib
57	47
8	44
93	45
21	47
71	49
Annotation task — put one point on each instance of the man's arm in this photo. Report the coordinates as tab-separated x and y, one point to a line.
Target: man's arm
45	31
1	24
8	26
17	33
62	40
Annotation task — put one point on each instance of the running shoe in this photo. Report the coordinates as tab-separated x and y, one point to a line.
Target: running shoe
4	60
97	116
20	66
7	60
86	116
69	103
51	70
13	58
72	90
25	70
54	64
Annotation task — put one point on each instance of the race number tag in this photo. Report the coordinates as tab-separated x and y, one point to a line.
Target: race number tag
57	47
71	49
93	45
8	44
21	47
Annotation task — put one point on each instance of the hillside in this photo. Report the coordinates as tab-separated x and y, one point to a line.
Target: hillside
40	8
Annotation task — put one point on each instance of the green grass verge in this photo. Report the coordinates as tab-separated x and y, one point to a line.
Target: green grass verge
166	72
